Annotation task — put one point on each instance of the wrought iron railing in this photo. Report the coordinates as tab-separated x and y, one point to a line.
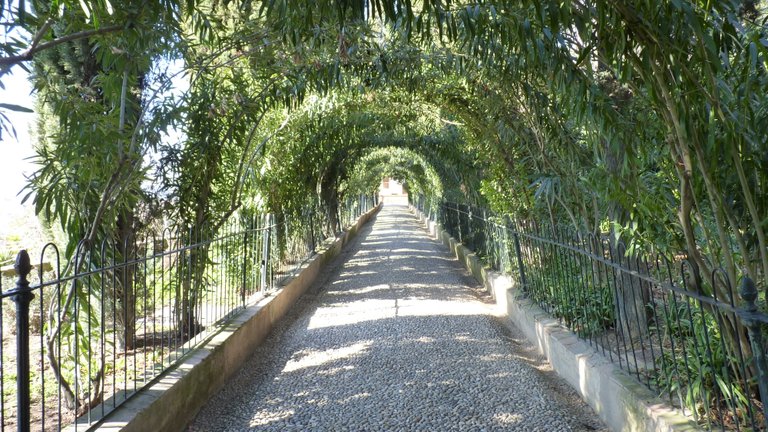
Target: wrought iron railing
687	336
81	337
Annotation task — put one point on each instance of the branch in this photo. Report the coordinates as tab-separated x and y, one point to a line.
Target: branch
37	47
57	318
40	33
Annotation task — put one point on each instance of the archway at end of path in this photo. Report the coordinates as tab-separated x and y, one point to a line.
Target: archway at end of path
343	144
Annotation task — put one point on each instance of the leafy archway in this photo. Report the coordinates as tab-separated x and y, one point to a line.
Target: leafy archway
641	121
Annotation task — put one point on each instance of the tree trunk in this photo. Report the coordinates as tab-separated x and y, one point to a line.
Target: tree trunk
189	292
329	197
124	294
631	294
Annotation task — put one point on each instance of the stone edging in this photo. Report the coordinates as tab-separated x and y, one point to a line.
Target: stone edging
175	398
619	400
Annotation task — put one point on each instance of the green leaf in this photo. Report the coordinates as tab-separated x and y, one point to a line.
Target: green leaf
16	108
753	56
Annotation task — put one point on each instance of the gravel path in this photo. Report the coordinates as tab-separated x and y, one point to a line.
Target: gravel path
395	336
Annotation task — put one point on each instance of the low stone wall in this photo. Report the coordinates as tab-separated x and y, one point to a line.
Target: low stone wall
173	400
621	401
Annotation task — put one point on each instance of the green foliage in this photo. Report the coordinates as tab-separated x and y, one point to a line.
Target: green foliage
700	368
644	121
330	135
402	164
564	288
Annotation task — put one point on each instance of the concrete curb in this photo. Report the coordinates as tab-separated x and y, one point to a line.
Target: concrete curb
618	399
173	400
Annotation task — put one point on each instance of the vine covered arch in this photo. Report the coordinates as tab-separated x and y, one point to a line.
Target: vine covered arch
642	122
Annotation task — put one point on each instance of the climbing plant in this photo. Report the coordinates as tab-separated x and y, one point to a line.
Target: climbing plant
639	121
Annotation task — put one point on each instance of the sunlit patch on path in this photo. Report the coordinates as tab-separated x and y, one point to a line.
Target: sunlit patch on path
396	339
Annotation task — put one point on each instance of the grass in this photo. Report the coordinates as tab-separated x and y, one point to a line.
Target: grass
23	230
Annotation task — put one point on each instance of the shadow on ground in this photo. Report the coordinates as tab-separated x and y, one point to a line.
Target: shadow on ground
395	338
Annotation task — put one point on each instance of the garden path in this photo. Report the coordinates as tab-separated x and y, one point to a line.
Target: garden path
395	336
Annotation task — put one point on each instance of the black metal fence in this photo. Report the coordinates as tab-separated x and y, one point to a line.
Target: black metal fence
92	331
428	205
685	335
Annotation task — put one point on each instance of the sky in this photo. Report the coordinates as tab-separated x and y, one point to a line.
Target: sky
15	151
14	164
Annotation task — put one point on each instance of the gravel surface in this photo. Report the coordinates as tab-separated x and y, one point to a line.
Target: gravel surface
395	337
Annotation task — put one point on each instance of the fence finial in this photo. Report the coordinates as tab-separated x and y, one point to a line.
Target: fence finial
748	292
23	265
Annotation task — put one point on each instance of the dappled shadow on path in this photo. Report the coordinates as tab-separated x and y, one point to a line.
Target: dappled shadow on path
395	339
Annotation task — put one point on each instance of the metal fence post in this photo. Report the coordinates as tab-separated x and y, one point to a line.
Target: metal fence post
312	228
249	226
458	221
265	250
748	292
470	235
519	253
22	297
489	241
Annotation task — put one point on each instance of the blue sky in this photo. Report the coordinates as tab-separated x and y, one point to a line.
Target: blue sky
15	150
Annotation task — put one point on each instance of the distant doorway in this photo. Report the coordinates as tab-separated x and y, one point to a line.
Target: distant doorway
392	192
